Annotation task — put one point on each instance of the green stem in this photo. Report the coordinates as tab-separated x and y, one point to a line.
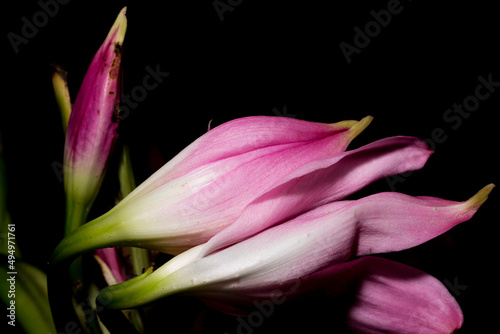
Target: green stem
76	214
140	260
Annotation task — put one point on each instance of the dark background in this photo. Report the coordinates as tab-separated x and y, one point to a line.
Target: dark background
270	59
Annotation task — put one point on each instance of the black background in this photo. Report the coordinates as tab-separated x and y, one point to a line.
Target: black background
262	59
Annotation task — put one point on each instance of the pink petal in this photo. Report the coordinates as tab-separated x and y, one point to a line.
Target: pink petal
332	233
241	140
390	297
247	134
321	181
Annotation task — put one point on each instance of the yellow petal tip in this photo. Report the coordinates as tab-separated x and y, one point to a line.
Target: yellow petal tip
480	197
359	127
120	26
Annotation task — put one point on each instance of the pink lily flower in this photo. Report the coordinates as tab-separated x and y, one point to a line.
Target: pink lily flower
174	213
205	187
295	256
92	126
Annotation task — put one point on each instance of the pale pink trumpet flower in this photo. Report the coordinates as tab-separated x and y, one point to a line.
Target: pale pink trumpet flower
206	186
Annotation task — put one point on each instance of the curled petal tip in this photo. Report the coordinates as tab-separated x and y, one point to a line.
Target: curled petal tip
480	197
366	120
360	126
354	128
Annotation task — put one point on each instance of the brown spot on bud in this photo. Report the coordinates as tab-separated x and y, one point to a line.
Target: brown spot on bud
115	66
116	113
